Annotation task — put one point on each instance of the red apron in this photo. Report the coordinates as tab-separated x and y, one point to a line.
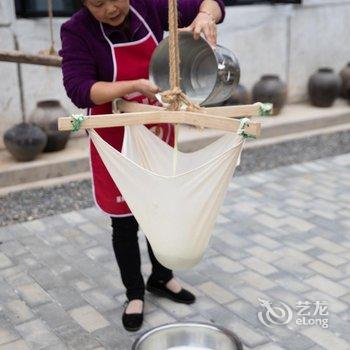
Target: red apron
131	61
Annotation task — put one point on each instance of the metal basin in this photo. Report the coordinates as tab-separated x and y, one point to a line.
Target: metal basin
208	75
188	336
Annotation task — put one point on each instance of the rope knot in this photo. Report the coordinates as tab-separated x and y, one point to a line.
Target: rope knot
172	97
177	100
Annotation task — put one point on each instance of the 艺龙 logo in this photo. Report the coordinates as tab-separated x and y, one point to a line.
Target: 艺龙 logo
274	315
307	313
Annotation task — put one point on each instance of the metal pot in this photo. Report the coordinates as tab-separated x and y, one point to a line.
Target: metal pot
208	75
188	336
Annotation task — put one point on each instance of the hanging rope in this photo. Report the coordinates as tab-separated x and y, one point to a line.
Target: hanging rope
174	54
51	50
175	97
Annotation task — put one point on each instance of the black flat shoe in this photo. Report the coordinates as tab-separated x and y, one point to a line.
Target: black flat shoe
159	288
132	322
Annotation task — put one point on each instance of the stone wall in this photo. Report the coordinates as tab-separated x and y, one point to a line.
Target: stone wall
291	41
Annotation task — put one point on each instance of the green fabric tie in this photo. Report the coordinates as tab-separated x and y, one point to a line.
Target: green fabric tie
243	123
76	122
265	109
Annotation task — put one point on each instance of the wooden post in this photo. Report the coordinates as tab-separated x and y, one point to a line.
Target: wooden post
21	57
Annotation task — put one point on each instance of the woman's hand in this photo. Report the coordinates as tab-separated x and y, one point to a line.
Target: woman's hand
103	92
145	87
203	23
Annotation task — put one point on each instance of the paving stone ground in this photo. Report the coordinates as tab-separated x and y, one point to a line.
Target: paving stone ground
283	235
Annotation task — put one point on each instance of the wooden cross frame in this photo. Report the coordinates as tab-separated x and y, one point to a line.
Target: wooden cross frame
131	113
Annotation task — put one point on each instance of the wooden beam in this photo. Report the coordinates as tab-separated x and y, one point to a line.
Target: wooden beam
158	117
225	111
21	57
129	107
252	110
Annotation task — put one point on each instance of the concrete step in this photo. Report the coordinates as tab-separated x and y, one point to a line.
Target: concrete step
294	119
72	160
299	121
55	181
295	148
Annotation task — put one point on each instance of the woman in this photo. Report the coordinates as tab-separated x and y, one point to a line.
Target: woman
106	50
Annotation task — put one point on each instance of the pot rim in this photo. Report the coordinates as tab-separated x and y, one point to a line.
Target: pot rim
325	70
48	103
156	329
270	76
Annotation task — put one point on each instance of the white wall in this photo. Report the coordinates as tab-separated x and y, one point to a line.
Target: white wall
39	82
291	41
10	111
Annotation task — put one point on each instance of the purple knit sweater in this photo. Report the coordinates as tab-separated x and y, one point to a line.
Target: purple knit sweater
87	55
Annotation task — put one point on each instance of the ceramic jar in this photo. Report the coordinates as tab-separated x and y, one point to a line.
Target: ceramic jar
324	87
46	116
271	89
240	96
345	77
25	141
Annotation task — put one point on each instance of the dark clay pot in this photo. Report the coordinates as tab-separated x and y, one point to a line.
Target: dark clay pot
46	116
25	141
347	91
324	87
271	89
345	77
240	96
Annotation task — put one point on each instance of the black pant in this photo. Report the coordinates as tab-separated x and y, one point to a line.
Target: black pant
127	253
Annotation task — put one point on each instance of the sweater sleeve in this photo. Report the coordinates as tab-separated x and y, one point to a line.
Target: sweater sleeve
78	68
188	10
